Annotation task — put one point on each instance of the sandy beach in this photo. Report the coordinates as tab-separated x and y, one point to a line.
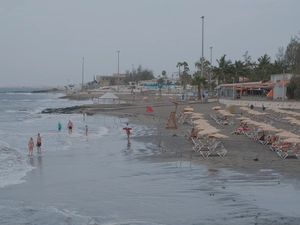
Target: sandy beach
173	144
157	179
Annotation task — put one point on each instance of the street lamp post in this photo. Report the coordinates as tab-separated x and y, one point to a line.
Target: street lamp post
232	87
202	55
210	68
118	70
82	74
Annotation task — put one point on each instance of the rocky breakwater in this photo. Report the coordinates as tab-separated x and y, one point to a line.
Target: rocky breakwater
67	110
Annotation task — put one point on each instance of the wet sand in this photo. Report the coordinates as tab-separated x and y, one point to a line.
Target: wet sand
250	162
160	179
173	144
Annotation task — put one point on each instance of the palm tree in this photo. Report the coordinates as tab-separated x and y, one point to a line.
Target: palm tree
239	69
184	77
263	70
222	71
206	66
200	82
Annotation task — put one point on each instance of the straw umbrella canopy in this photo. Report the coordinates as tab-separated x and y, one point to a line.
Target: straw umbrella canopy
200	121
241	118
208	131
217	108
286	134
292	140
217	135
203	124
268	127
244	108
198	127
196	116
295	114
196	113
288	118
225	113
249	121
188	109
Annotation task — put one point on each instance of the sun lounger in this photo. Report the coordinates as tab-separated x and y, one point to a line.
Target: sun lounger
216	149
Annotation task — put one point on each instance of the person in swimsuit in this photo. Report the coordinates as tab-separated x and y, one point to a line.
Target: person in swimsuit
59	127
83	113
86	130
193	134
127	129
39	143
30	146
70	126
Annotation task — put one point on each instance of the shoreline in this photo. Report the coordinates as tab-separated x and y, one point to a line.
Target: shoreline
173	144
244	154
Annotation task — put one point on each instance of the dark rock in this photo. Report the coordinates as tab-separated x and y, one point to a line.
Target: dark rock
67	110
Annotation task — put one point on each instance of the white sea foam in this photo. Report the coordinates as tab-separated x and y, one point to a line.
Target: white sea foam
13	166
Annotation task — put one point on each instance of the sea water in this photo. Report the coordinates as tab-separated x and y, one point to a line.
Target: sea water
100	179
20	119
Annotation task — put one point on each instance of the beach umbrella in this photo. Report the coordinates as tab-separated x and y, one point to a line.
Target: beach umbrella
198	127
217	135
288	118
286	134
203	126
217	108
189	109
241	118
292	140
245	108
200	121
208	131
198	114
267	127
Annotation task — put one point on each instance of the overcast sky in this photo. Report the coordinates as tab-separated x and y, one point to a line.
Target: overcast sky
43	42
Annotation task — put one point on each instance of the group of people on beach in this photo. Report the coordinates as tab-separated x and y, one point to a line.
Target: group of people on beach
70	128
39	138
38	145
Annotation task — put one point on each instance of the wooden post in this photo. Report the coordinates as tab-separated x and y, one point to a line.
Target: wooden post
172	117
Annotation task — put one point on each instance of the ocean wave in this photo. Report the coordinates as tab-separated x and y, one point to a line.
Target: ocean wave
13	165
18	93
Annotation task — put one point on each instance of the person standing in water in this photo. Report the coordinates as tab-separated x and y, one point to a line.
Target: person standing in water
59	127
83	113
127	129
30	146
70	126
86	130
39	143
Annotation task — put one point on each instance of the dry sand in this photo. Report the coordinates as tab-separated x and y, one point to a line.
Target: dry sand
265	185
244	154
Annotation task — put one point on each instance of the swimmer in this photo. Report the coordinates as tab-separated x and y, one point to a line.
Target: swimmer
30	146
70	126
127	128
86	130
83	113
39	143
59	127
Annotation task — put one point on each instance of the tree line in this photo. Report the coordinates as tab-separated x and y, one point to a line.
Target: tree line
226	71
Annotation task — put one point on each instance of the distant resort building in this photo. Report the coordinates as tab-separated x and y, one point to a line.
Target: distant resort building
275	88
108	80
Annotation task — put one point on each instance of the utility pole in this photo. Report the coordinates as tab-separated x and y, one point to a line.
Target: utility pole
82	74
118	70
210	68
202	57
